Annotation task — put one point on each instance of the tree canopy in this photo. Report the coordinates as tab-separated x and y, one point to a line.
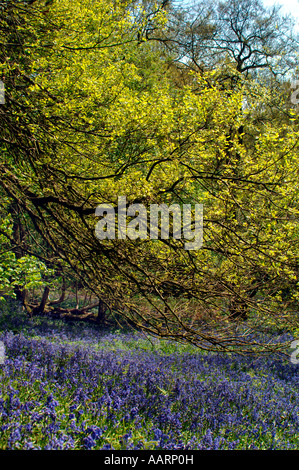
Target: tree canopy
99	105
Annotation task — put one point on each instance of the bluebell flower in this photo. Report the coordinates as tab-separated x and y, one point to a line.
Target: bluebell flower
94	431
89	442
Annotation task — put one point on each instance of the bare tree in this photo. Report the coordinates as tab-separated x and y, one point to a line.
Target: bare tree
244	33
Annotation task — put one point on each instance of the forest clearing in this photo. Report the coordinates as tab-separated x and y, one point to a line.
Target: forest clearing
149	262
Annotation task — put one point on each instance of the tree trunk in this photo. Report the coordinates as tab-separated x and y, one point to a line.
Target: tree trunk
101	312
39	310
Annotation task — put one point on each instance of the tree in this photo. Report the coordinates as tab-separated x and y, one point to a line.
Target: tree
17	272
245	34
86	121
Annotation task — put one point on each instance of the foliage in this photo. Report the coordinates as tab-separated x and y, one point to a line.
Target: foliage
86	120
24	272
